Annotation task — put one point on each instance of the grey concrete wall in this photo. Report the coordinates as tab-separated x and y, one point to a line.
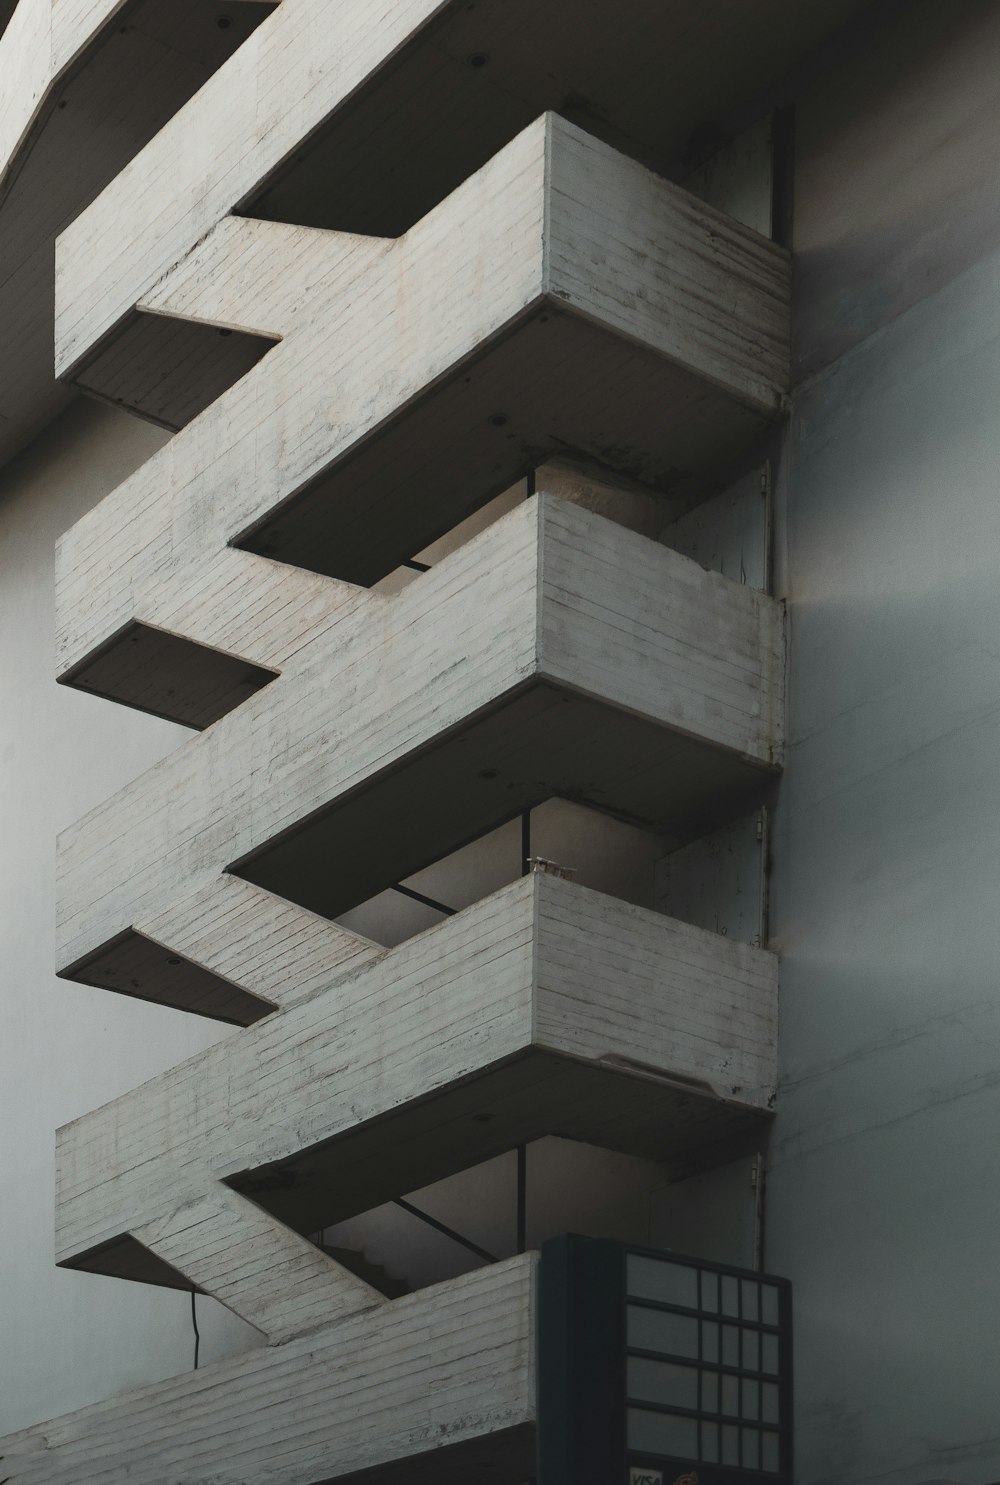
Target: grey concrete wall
68	1338
884	1191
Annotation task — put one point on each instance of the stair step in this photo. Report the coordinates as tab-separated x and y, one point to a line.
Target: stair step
372	1273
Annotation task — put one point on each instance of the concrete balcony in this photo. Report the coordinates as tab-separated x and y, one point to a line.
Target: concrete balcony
435	1389
622	319
555	654
390	107
509	1373
545	1008
86	86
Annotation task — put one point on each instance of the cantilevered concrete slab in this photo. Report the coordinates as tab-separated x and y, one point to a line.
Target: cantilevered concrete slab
86	84
622	318
546	1008
394	105
231	951
554	654
437	1388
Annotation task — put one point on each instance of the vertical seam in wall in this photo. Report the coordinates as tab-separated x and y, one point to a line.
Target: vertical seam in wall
539	513
781	681
546	204
535	930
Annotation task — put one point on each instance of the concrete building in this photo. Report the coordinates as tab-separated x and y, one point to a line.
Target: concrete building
509	493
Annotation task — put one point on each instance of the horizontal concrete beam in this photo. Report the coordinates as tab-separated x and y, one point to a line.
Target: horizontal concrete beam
546	1008
230	951
362	121
554	654
86	84
437	1388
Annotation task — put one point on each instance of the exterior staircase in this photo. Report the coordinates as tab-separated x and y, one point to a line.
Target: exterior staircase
375	1274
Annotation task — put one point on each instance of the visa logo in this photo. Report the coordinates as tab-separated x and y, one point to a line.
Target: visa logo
641	1476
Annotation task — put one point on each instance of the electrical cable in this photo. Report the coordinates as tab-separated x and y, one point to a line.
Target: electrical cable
194	1322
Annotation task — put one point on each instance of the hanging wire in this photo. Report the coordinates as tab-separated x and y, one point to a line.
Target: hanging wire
194	1322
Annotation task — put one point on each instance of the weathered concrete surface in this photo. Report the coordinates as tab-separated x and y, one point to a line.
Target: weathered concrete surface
411	114
623	319
67	1049
61	1053
436	1387
545	1008
86	83
554	654
666	680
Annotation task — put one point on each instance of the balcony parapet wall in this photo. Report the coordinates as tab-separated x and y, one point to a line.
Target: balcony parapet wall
436	1389
345	398
555	654
86	84
622	319
546	1008
375	113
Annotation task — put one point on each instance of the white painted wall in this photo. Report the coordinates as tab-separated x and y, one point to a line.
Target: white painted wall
68	1338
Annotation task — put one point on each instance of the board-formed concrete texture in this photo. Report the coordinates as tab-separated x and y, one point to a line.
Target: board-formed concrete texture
414	566
480	306
363	120
622	319
545	1008
556	654
86	84
443	1379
